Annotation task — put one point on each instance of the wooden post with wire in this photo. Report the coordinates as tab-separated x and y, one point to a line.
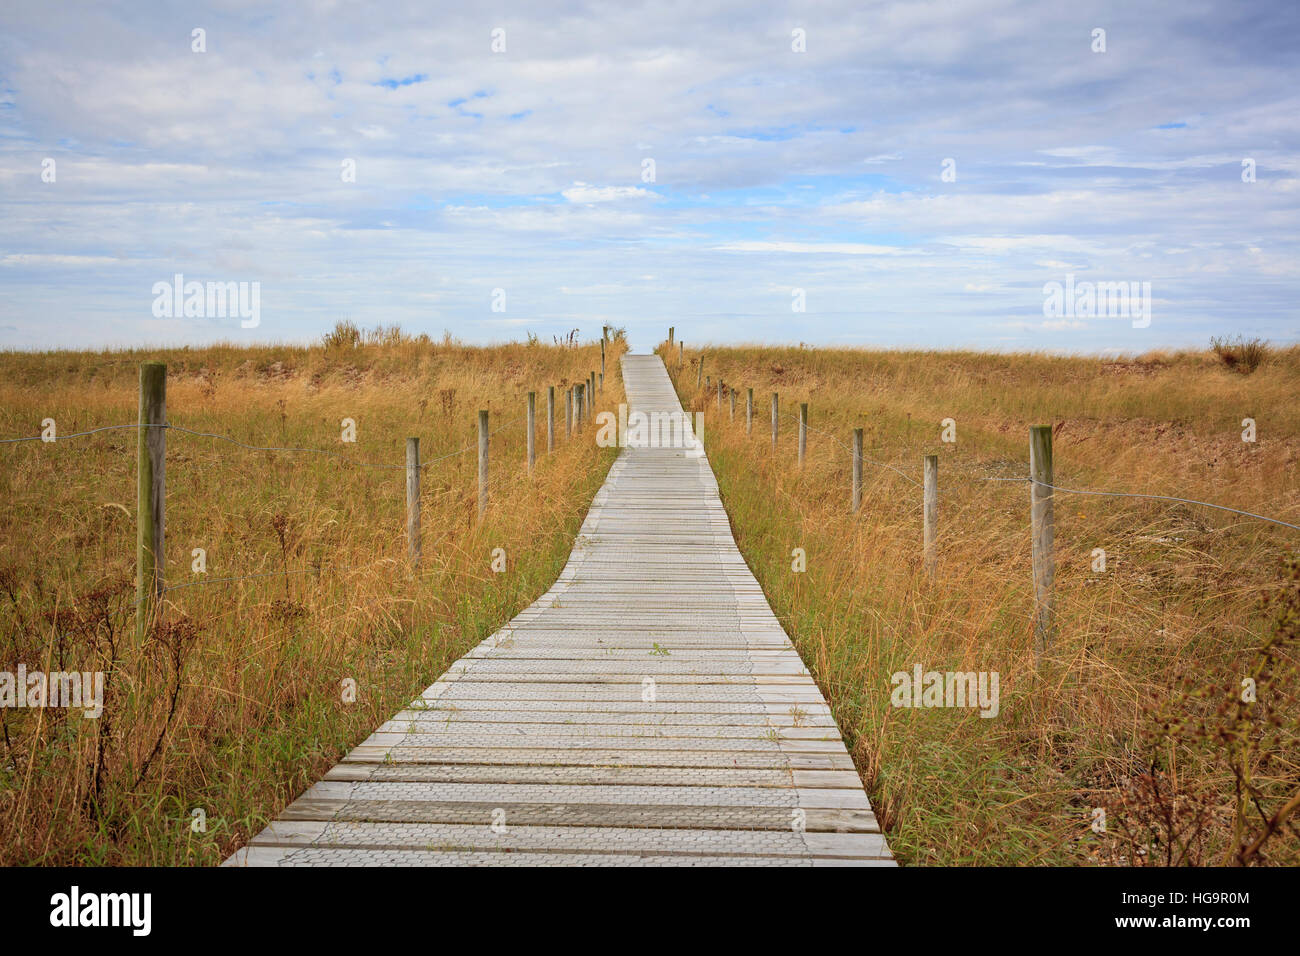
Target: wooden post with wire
930	515
856	497
151	455
532	430
1042	531
776	403
803	431
550	419
482	463
413	500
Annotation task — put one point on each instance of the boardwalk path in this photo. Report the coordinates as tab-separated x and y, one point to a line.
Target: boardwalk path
544	724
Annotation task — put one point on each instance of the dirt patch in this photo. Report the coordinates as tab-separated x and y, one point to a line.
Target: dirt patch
1142	367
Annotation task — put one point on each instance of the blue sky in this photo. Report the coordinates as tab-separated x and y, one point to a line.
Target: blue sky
774	170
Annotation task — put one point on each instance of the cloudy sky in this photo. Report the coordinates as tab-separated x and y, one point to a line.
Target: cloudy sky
918	170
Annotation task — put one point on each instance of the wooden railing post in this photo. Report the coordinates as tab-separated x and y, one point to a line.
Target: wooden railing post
1042	531
856	497
681	356
550	419
532	430
670	336
413	500
568	412
930	514
602	363
803	431
578	403
482	463
775	409
719	393
151	454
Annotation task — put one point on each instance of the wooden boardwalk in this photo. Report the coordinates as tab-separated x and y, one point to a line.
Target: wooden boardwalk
647	710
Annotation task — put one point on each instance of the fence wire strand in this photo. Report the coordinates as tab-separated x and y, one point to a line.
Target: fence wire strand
496	480
285	448
1070	491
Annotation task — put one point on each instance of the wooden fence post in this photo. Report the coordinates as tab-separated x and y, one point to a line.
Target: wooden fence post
151	454
775	407
413	500
930	513
601	383
719	393
568	412
1043	532
681	356
803	431
670	336
856	497
749	411
602	363
699	373
579	393
482	463
550	419
733	404
532	430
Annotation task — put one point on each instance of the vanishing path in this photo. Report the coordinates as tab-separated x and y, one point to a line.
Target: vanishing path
545	724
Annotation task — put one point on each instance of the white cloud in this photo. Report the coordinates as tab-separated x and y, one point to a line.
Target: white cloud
772	170
584	193
814	248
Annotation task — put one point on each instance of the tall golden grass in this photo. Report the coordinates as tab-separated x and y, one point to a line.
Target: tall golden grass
1138	710
234	703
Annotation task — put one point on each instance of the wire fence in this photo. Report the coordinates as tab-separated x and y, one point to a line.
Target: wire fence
1055	487
1040	479
570	404
284	448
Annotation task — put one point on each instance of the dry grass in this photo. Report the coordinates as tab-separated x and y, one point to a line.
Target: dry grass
1138	711
234	704
1242	355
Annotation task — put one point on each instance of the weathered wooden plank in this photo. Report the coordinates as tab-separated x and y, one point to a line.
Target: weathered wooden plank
468	837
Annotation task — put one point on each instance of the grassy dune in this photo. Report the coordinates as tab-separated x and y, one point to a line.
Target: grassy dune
234	704
1138	709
